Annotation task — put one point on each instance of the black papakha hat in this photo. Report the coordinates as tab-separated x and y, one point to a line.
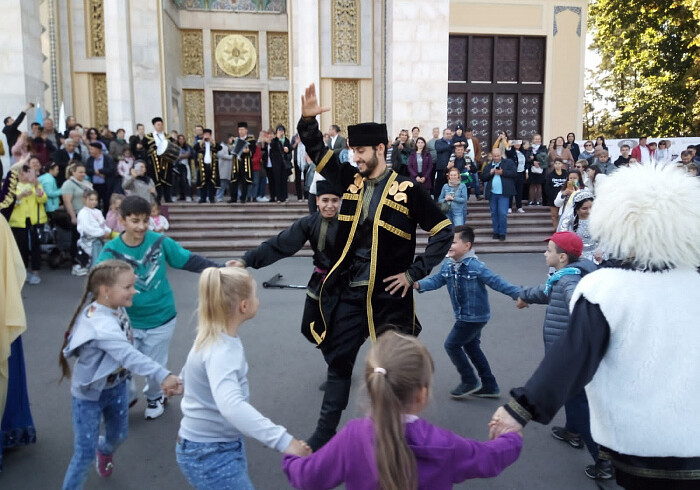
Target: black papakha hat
242	124
368	134
96	144
206	130
325	187
156	119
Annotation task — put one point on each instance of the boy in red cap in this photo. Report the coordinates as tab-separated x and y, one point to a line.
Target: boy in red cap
563	253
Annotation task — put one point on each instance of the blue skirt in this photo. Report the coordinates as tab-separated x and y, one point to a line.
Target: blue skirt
17	427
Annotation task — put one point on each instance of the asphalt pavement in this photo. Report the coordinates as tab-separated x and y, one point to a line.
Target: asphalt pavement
285	372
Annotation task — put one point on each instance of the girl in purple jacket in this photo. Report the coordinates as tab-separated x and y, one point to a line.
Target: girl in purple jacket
393	449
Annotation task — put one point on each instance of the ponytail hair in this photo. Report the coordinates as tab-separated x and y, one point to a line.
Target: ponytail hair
220	292
397	367
104	274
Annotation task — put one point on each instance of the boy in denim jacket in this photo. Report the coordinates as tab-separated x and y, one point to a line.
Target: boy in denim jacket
466	278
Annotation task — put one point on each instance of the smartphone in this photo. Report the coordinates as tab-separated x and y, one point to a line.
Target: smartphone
570	185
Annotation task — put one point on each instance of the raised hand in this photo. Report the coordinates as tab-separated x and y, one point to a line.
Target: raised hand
309	103
502	423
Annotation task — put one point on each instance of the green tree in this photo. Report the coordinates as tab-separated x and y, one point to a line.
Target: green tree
650	65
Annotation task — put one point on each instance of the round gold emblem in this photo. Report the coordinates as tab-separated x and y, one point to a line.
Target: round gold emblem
236	55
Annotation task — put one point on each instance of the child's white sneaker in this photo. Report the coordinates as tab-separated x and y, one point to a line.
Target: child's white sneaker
77	270
155	408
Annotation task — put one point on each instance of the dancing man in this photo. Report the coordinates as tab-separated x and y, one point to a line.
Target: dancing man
370	285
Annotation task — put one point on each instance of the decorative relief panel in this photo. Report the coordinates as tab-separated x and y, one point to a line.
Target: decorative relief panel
530	108
194	111
532	63
456	109
479	117
457	69
346	103
506	59
279	109
94	28
98	85
481	61
345	15
192	47
277	55
235	54
271	6
504	114
563	8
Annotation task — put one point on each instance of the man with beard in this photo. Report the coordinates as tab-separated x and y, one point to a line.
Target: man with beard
370	285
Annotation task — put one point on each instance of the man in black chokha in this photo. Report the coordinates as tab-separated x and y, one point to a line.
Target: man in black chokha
159	163
370	285
242	169
320	230
207	167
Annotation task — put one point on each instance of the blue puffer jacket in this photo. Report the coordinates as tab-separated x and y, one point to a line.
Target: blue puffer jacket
556	318
466	284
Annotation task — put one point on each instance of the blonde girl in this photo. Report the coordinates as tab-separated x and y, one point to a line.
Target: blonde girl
215	407
99	337
393	449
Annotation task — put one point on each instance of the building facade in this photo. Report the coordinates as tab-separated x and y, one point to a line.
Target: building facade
516	65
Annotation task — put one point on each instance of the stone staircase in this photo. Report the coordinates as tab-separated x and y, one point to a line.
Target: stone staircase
225	230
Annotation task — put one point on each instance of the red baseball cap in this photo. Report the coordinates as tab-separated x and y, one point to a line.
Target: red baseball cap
568	241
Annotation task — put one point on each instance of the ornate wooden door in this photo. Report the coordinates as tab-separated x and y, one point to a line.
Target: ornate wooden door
496	83
232	107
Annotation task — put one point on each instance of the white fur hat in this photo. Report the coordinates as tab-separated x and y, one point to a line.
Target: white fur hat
650	216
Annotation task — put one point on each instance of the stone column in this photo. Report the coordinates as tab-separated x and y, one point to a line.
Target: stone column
417	55
21	72
118	57
147	84
305	52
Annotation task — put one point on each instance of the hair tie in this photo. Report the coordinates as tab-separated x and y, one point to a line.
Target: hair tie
380	370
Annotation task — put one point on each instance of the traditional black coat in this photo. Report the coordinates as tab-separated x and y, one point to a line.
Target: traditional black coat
207	174
397	208
158	169
321	235
243	167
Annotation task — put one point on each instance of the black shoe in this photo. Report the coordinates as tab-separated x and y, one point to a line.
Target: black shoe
479	198
574	440
502	238
232	201
602	470
495	236
487	393
202	201
322	386
464	389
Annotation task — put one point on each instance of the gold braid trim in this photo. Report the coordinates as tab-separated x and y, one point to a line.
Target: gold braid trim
517	408
399	207
351	197
394	230
373	255
345	217
324	161
442	224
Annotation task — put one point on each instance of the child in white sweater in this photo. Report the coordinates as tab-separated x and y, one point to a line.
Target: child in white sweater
157	222
93	230
215	407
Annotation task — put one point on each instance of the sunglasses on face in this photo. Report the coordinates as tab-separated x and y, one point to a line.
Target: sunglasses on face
588	145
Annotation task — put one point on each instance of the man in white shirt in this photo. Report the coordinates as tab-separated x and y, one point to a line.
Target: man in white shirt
337	142
159	168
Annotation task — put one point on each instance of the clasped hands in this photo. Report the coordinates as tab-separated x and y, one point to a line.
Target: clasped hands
172	385
502	423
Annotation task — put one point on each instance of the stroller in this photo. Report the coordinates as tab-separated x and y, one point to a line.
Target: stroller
55	239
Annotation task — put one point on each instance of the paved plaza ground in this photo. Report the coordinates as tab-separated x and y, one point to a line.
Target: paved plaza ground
285	371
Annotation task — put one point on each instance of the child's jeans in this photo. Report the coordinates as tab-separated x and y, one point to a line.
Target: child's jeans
154	343
465	340
220	465
113	408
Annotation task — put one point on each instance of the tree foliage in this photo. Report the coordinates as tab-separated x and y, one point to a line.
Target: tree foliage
650	65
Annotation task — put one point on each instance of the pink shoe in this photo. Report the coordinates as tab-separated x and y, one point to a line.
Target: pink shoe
104	465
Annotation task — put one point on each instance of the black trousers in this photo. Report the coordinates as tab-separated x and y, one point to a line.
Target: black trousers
312	203
180	181
104	191
519	182
298	187
244	189
279	181
439	182
28	243
163	192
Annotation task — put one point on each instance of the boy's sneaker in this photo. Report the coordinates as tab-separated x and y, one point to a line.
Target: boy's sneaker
574	440
487	392
155	408
521	210
104	465
602	470
32	278
464	389
77	270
